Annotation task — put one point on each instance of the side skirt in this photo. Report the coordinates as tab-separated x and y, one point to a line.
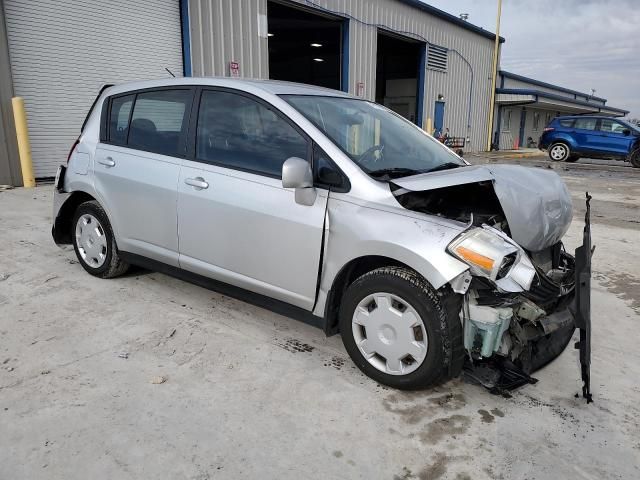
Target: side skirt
238	293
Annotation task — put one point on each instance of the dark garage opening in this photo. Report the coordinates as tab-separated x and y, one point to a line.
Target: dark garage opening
399	75
304	47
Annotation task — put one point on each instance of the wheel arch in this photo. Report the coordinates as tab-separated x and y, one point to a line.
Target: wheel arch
62	223
345	276
360	265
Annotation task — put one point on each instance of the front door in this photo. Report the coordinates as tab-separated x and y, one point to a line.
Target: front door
611	140
236	223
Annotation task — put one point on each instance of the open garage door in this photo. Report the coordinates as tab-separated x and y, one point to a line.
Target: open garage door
304	47
63	52
400	75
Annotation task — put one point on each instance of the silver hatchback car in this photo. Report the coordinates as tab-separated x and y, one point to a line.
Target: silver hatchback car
335	206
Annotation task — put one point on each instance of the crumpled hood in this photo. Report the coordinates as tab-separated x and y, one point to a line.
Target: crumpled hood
536	202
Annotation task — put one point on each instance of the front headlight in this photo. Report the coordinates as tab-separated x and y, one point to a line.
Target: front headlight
487	253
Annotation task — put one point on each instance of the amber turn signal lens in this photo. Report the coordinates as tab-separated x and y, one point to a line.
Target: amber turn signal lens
475	258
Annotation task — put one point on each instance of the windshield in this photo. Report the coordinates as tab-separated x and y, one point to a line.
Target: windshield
380	142
632	126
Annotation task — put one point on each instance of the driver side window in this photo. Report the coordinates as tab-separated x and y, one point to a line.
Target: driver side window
236	131
611	126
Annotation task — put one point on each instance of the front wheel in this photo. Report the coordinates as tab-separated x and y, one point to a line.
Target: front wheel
396	329
634	158
559	152
94	242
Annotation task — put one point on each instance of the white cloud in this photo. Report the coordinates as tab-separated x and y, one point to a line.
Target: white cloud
578	44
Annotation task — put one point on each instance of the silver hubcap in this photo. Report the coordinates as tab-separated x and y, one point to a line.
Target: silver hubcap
558	152
389	333
91	240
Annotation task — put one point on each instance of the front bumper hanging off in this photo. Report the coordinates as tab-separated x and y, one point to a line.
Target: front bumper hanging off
567	304
581	308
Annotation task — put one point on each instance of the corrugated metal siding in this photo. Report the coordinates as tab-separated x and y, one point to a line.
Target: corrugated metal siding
63	52
228	30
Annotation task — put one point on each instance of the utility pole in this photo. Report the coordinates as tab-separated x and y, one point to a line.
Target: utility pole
494	76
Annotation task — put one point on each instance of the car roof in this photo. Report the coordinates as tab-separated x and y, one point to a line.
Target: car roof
275	87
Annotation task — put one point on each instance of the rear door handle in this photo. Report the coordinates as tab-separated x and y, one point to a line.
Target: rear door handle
107	162
198	183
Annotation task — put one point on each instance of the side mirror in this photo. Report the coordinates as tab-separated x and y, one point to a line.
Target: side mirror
626	132
296	173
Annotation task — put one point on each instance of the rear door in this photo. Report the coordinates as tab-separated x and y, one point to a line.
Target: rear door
585	134
612	140
137	166
236	222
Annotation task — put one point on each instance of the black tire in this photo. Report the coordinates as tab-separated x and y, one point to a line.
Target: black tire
445	352
113	265
559	152
572	158
634	158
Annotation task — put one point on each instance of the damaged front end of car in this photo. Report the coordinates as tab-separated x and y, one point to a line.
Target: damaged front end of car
524	294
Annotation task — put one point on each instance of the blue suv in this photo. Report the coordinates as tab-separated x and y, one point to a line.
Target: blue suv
569	138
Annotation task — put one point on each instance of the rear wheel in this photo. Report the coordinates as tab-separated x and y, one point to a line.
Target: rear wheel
559	152
397	331
572	158
94	242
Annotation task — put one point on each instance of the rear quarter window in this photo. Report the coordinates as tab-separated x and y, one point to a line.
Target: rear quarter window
567	122
119	119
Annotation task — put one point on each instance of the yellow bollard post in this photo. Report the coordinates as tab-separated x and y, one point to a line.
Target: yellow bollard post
429	126
24	147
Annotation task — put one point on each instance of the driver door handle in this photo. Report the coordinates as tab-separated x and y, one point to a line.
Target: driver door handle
107	162
198	183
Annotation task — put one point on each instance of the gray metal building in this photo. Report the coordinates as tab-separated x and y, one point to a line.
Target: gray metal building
416	59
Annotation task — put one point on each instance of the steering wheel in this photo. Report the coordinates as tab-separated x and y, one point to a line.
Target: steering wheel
369	157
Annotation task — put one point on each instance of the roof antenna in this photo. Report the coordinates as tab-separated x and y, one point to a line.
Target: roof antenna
170	72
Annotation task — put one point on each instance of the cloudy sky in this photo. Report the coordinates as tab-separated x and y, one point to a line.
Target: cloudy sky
578	44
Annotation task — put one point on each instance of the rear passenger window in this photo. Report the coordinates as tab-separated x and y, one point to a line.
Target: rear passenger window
158	120
568	123
585	123
238	132
119	124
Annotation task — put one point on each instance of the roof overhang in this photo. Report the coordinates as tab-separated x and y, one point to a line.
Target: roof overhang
550	101
447	17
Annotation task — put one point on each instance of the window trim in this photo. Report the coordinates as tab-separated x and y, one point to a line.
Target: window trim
347	183
193	129
106	115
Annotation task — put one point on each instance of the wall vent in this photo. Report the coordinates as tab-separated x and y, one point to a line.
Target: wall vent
437	58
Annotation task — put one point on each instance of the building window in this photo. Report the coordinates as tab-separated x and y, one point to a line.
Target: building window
536	121
506	121
437	58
